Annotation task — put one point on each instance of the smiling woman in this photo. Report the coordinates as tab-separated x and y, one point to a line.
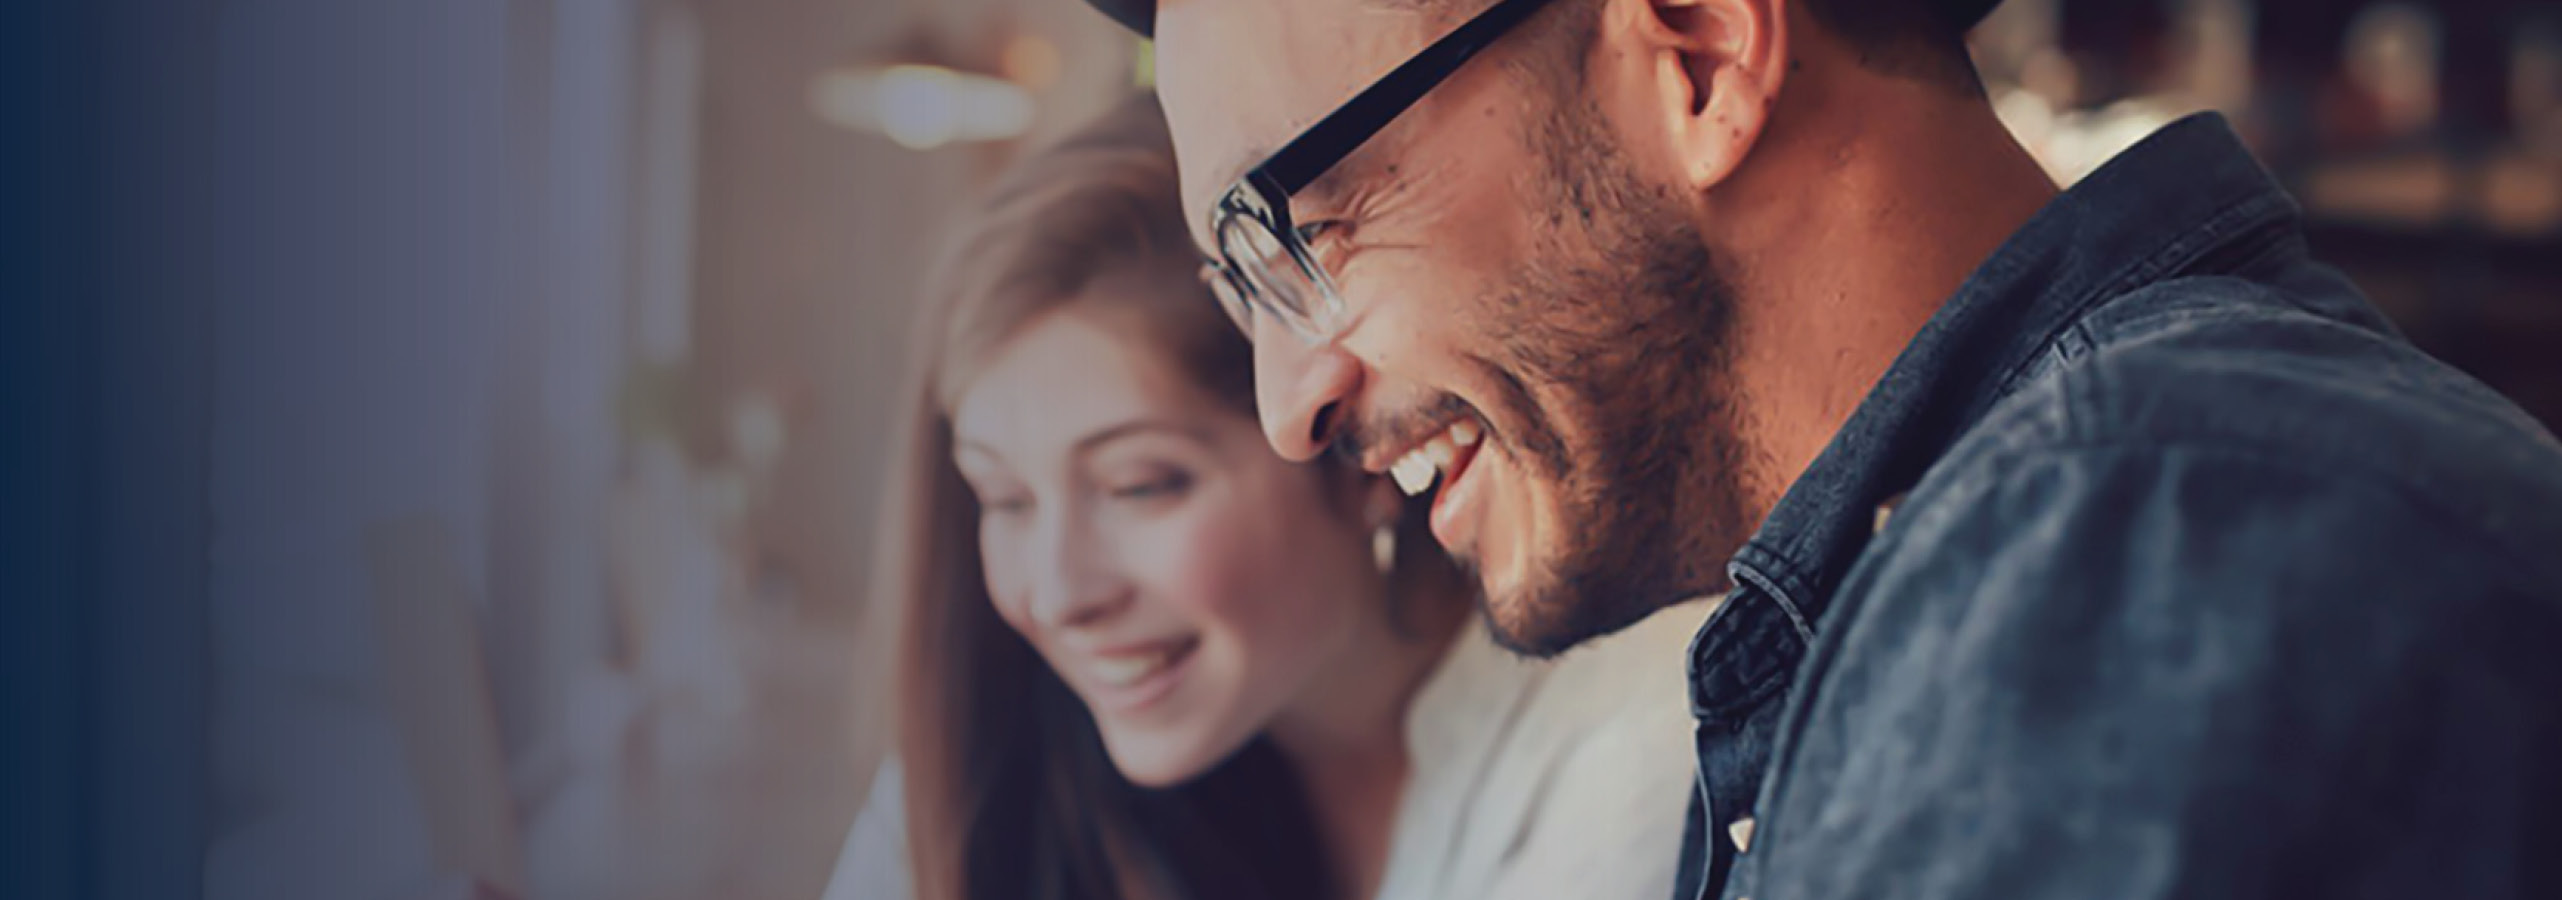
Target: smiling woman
1145	656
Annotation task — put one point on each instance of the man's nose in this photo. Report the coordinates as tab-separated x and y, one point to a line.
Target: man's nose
1301	390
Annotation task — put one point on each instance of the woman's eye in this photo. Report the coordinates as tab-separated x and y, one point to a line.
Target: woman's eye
1310	233
1005	506
1158	488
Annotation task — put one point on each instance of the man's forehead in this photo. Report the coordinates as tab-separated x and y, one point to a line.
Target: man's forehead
1239	78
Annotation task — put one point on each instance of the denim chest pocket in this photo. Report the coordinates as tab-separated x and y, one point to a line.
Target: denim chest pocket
1741	667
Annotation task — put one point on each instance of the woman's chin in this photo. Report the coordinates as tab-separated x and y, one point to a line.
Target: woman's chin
1162	761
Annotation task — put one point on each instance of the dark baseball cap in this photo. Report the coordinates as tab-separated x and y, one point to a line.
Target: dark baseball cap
1140	15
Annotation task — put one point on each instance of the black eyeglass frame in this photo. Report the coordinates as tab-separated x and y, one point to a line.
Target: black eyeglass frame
1262	196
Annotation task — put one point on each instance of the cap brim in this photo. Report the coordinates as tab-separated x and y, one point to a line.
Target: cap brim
1136	15
1967	13
1140	15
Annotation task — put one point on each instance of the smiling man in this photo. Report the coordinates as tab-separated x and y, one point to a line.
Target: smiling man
2198	579
1549	281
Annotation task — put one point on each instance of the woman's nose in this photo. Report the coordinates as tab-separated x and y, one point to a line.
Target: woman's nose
1302	391
1076	584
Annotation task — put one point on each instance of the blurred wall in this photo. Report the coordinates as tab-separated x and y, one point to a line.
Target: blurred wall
551	343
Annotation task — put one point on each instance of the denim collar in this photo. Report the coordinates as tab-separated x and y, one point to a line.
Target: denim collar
2160	209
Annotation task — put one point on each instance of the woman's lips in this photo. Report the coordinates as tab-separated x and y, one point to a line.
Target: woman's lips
1128	680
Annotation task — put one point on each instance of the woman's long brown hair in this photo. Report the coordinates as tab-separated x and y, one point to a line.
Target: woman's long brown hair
1009	793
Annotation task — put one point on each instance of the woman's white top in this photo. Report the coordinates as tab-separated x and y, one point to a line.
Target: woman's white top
1566	777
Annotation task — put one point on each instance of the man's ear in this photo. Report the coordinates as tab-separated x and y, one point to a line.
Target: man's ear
1717	66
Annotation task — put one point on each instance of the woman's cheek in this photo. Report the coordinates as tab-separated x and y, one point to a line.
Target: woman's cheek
1007	588
1184	559
1227	570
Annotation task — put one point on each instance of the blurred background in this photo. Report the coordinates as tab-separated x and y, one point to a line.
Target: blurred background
530	362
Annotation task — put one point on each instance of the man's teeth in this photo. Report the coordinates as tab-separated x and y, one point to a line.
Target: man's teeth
1123	671
1415	471
1413	474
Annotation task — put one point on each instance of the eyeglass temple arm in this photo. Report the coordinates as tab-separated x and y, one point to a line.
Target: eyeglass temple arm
1296	165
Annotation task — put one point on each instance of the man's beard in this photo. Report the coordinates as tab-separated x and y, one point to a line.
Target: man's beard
1619	319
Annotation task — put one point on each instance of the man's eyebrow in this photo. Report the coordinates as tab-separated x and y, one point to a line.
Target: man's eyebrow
1330	193
1329	190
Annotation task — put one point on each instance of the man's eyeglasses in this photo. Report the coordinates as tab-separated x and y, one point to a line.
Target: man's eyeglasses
1263	265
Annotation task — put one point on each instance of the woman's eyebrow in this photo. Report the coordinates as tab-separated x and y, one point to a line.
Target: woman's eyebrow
1134	428
1092	440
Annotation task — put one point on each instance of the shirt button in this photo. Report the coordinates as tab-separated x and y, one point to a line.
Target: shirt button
1741	832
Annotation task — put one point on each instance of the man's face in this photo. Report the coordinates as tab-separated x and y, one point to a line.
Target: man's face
1510	275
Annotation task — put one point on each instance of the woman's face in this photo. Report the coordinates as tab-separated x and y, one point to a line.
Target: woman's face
1183	580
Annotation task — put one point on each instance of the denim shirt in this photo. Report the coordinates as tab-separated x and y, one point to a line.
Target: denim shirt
2158	564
